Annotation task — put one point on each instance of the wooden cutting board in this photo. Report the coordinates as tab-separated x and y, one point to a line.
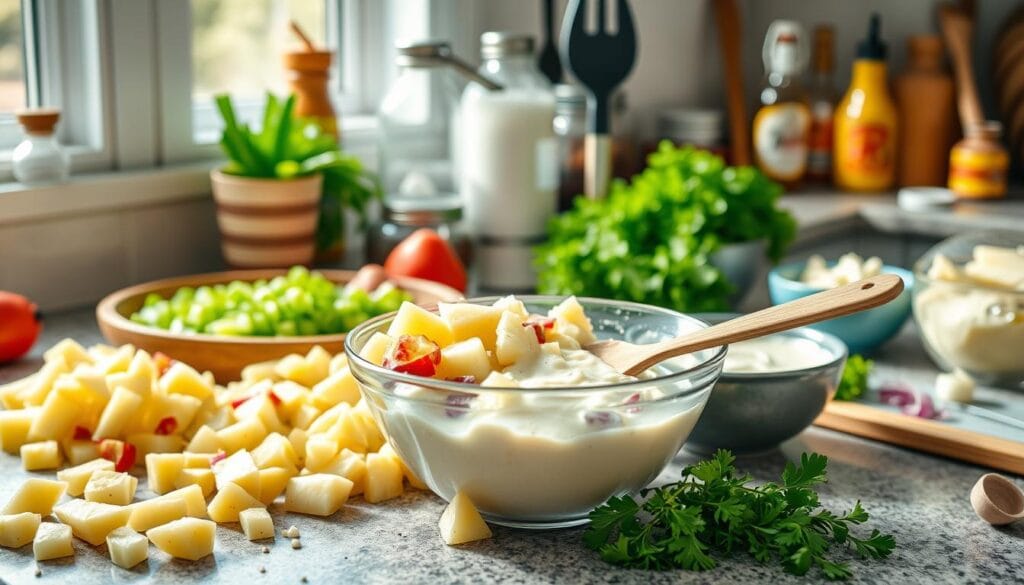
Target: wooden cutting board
930	436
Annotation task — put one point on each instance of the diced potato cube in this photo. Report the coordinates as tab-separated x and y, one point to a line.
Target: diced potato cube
351	466
77	477
10	394
305	415
513	305
42	455
461	522
297	437
162	469
123	405
349	433
275	451
201	460
376	347
320	449
272	483
42	384
240	469
515	342
327	419
291	396
340	386
192	495
259	371
337	362
127	548
244	434
80	451
499	380
256	523
204	441
186	538
35	495
156	512
52	541
139	377
571	320
464	358
371	432
14	427
181	378
70	350
92	521
181	407
146	443
229	501
55	418
111	487
319	494
414	481
306	370
196	476
383	478
262	407
468	321
414	320
17	530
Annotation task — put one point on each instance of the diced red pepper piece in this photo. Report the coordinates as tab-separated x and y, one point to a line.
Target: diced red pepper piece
274	398
166	426
413	354
82	433
163	362
539	325
239	401
120	452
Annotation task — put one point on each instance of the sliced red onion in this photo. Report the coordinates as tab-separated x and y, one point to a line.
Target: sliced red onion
910	401
601	418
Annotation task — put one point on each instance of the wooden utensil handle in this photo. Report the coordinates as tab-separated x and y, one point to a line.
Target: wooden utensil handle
727	17
957	29
829	304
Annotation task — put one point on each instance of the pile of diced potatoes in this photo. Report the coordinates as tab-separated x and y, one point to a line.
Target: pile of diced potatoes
212	454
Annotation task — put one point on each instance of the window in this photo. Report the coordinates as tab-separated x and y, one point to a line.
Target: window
242	55
12	57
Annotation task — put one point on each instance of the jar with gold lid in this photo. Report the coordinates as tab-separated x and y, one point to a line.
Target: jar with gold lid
979	163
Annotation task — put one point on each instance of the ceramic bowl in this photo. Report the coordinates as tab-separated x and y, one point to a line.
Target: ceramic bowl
862	332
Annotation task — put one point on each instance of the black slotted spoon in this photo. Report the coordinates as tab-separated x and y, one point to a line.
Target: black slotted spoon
600	61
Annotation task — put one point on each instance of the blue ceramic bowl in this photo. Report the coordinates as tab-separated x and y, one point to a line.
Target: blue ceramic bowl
862	332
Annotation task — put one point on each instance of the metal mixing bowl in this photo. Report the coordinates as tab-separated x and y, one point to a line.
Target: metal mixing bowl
749	413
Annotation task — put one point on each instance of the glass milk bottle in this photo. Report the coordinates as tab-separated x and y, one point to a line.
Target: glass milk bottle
508	162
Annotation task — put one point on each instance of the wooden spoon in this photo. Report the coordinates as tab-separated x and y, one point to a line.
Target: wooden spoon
864	294
997	500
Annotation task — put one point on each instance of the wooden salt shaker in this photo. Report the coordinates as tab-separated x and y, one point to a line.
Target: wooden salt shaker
309	73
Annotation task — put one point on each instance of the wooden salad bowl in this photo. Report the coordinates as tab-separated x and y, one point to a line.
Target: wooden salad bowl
223	355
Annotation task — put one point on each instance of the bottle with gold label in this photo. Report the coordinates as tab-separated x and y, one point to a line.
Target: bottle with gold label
865	123
782	124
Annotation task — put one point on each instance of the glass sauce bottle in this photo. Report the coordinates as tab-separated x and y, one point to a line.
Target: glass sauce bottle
782	124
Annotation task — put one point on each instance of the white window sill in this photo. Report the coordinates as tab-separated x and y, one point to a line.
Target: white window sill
98	192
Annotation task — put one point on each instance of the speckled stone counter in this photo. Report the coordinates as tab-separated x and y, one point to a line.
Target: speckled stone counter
920	499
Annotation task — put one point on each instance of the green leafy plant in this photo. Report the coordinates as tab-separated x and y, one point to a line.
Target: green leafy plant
714	512
287	146
854	381
651	240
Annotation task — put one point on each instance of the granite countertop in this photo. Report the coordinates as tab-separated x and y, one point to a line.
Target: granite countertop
922	500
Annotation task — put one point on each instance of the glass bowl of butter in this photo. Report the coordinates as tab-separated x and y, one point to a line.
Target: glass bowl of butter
495	398
969	305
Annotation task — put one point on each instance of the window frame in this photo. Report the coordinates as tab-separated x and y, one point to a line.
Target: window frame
64	48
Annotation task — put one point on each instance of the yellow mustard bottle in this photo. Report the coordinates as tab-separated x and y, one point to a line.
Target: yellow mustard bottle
865	122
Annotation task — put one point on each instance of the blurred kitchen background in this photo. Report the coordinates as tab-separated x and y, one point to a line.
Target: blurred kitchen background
134	81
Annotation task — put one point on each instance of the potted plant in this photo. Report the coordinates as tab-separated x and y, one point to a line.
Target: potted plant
281	196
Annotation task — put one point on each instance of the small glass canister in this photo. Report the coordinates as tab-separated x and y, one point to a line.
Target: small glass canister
39	159
401	216
978	164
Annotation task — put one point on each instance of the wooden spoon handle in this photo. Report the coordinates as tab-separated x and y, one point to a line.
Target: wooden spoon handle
957	28
829	304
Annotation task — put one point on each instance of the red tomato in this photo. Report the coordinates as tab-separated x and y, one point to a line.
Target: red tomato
20	324
426	255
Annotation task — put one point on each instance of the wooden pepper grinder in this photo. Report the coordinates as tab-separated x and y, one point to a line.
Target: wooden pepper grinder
309	72
925	133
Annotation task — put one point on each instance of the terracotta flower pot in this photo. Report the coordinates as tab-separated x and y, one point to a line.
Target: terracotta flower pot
267	223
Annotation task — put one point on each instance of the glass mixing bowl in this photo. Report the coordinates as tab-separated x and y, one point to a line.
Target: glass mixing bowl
543	458
966	324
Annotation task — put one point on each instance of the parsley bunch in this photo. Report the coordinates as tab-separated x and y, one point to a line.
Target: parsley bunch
713	511
652	240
